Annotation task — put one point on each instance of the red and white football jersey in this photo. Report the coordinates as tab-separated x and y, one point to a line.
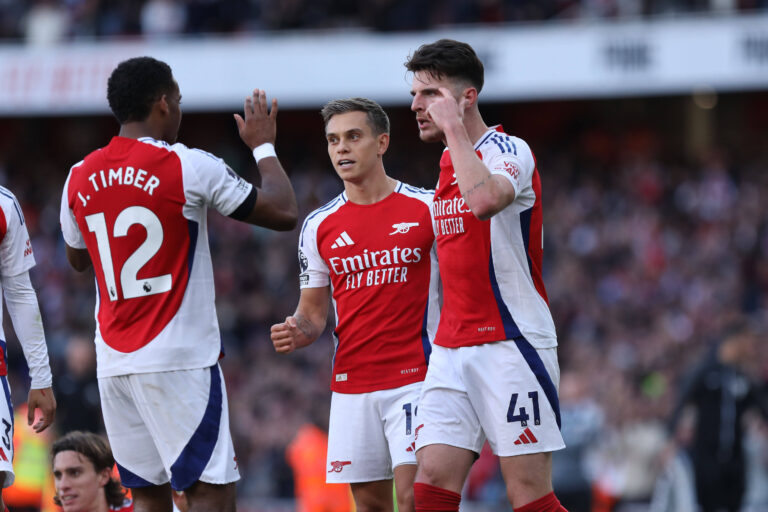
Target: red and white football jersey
139	207
491	269
15	248
379	260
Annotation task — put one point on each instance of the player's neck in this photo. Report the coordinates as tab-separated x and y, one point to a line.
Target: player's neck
475	126
136	130
371	190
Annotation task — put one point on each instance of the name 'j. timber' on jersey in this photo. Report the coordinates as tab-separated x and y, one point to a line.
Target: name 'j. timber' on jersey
140	206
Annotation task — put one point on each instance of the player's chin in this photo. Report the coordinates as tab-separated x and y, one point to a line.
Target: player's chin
430	135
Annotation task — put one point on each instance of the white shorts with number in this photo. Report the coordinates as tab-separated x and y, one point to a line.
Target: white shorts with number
504	391
371	433
169	427
6	432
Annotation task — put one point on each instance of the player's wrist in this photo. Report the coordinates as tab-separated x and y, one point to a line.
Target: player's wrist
262	151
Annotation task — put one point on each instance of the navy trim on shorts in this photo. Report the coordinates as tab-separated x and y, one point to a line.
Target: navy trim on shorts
542	375
130	479
198	451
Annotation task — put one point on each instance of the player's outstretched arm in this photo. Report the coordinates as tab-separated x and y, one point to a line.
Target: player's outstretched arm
78	258
44	400
306	324
275	206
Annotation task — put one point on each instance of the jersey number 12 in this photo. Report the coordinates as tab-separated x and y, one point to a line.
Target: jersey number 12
132	287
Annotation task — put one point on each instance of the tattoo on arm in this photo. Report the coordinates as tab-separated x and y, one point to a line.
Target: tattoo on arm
305	326
474	187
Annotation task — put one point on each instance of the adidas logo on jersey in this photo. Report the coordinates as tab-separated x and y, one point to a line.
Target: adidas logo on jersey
343	241
403	227
526	437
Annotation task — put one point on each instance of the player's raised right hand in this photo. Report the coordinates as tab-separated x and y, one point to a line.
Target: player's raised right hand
285	335
259	124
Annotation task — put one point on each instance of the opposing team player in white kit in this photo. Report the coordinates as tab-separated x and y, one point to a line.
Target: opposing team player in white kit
16	259
372	250
493	372
136	210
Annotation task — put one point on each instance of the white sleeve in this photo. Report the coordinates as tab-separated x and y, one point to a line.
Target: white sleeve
314	271
69	228
516	165
21	300
210	181
15	248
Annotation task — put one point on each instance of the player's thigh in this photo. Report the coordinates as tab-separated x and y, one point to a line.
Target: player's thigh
527	477
6	434
444	466
372	496
357	444
204	497
132	444
405	475
513	389
445	414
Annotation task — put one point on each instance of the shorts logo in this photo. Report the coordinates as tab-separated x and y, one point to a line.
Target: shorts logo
403	227
416	433
2	455
338	465
411	448
526	437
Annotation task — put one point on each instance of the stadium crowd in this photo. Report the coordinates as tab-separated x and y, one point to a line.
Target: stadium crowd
648	252
50	21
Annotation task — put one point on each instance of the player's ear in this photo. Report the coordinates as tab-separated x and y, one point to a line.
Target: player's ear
162	104
470	96
104	476
383	142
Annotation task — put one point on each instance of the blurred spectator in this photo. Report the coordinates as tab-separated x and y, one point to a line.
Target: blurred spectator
77	390
45	24
163	18
722	392
582	420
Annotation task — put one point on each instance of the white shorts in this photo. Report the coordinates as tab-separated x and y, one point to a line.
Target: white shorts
6	432
371	433
169	427
504	391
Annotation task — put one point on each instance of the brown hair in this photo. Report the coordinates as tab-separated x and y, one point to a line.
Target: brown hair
448	58
377	118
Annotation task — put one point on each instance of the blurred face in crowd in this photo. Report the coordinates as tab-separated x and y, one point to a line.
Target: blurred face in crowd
79	487
425	89
354	149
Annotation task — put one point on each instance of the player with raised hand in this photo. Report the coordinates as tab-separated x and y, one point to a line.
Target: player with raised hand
371	249
493	373
16	258
137	210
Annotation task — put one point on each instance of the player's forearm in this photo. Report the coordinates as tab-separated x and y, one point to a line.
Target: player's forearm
24	311
276	206
310	326
481	191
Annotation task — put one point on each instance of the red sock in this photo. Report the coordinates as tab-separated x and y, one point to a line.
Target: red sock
429	498
548	503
